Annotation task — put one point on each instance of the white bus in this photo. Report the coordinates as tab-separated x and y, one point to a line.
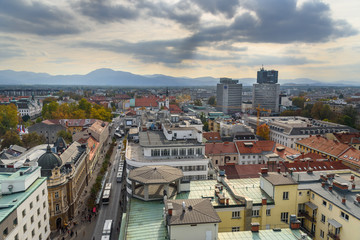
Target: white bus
107	230
106	197
108	186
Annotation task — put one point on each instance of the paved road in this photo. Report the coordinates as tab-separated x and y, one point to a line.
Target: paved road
112	210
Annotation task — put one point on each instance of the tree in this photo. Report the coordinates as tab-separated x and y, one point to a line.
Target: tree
65	135
197	102
8	118
212	101
32	139
263	131
11	137
298	102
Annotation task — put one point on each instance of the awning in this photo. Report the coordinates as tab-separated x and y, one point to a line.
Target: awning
311	205
335	223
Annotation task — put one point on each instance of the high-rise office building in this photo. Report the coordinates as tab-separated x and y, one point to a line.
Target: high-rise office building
229	96
266	91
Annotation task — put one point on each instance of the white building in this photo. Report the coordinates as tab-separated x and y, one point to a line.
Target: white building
176	144
24	212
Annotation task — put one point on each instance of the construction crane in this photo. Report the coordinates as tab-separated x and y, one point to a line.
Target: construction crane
258	109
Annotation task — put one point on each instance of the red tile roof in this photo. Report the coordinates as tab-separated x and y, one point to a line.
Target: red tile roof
212	136
220	148
285	152
316	166
150	101
175	109
310	155
348	138
256	148
122	96
324	145
351	155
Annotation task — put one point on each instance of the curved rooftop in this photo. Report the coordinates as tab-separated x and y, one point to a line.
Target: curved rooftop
48	161
155	174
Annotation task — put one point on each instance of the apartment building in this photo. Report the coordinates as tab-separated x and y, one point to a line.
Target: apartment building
24	212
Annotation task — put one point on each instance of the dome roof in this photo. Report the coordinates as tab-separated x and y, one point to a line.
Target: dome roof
48	161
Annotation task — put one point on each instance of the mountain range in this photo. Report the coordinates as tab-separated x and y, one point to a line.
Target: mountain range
109	77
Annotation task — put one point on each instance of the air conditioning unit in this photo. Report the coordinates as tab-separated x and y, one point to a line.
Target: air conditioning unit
303	236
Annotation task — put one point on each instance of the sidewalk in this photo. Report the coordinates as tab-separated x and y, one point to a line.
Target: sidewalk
83	228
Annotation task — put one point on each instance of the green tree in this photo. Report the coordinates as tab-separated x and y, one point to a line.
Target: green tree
197	102
212	101
32	139
85	105
11	137
65	135
8	118
298	102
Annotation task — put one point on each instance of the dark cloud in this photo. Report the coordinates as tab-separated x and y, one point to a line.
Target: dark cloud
227	8
105	11
36	18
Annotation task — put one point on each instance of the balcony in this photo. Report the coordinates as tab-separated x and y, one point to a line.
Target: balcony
307	216
333	236
309	233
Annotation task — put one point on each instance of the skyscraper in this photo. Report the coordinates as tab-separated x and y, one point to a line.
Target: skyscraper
266	91
228	96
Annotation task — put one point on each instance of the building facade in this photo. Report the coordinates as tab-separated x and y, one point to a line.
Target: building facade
229	96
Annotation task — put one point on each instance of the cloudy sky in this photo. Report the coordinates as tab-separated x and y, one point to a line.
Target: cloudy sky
193	38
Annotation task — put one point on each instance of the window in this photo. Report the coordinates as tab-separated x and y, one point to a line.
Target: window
344	216
57	208
199	151
182	151
15	222
45	228
155	152
5	232
40	238
337	231
323	218
24	228
56	194
33	232
236	214
284	216
300	193
330	206
268	212
43	192
39	224
255	213
165	152
16	237
32	219
322	233
312	196
24	213
324	203
45	217
216	162
174	152
44	204
235	229
190	151
37	198
285	195
38	211
31	205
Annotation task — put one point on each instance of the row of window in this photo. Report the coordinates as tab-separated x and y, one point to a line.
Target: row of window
176	152
255	213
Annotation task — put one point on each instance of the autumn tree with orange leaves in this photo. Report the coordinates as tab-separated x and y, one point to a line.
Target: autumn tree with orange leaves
263	131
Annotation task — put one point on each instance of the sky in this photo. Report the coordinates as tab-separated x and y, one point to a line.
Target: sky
192	38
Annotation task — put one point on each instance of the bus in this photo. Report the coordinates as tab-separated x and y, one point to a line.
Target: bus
120	172
108	186
106	197
107	230
118	135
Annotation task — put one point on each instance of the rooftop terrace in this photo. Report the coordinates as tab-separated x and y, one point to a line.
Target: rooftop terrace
284	234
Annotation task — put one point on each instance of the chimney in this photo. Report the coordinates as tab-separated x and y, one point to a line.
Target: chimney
170	209
263	201
295	225
279	169
264	171
255	227
330	188
358	198
323	184
343	200
310	170
352	177
353	186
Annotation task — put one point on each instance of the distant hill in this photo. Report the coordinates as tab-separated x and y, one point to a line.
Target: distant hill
109	77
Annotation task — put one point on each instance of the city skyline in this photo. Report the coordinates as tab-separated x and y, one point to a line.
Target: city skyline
193	38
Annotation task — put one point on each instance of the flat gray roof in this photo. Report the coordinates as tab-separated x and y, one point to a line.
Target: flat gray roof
157	139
